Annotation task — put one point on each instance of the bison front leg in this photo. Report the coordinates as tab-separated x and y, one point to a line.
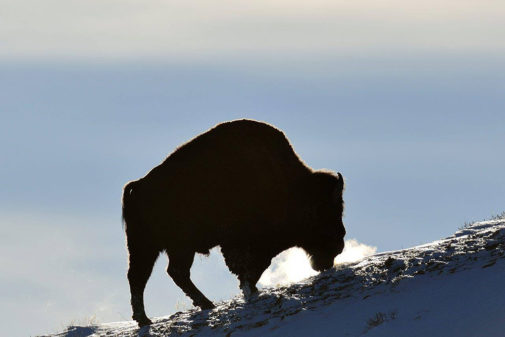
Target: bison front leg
248	280
247	265
179	267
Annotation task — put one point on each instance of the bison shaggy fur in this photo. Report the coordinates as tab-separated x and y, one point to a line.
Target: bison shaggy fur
239	186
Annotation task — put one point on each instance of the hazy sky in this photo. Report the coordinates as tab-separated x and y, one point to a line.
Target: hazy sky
245	30
406	99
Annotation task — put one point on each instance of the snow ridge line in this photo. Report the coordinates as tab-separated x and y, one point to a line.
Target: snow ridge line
479	245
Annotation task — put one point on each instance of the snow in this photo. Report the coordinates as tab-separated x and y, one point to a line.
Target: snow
451	287
293	265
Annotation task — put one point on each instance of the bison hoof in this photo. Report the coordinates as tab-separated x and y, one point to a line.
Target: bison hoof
143	321
249	291
207	305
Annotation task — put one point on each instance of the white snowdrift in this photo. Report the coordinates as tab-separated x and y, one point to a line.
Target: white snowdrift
451	287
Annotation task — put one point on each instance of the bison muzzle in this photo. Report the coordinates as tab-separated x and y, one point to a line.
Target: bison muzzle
239	186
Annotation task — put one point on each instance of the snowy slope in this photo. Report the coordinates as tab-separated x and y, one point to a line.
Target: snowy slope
451	287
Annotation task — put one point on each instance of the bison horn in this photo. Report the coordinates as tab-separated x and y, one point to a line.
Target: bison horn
340	181
339	188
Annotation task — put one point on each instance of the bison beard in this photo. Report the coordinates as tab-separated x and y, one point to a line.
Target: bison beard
240	186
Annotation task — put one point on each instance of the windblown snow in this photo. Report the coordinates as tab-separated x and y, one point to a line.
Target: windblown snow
451	287
293	265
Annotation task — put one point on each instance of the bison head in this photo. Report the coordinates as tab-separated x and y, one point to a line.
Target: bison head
325	238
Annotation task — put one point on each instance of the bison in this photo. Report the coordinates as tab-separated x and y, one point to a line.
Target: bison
239	186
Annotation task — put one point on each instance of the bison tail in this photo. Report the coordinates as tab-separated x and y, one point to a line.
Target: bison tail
129	208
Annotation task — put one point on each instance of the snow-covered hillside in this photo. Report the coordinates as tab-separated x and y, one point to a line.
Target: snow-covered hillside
451	287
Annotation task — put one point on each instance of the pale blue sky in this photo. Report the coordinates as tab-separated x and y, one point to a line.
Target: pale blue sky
406	100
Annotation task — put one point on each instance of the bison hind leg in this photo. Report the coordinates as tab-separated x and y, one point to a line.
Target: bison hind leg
141	262
179	267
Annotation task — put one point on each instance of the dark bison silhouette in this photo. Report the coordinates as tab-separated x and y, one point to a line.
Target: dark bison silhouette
239	186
